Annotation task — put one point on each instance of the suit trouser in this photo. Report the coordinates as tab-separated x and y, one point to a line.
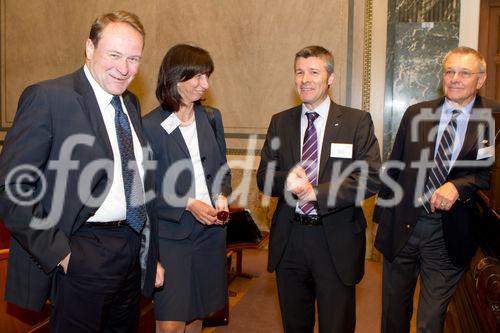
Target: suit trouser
306	274
101	290
423	255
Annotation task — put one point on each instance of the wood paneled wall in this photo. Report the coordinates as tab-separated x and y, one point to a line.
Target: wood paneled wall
252	43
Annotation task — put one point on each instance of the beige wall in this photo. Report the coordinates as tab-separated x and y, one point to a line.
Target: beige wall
252	43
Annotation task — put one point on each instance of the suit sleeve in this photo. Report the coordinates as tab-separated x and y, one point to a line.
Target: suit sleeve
27	149
365	149
469	184
270	172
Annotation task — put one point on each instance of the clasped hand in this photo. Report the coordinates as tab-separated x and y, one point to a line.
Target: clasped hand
444	197
207	214
298	183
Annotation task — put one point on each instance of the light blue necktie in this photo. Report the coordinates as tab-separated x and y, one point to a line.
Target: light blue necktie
134	192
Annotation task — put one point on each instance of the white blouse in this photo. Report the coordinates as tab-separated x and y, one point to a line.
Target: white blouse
190	136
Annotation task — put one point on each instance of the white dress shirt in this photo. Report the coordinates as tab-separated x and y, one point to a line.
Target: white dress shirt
113	207
320	124
462	122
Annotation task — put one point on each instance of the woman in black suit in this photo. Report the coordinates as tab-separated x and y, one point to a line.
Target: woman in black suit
192	184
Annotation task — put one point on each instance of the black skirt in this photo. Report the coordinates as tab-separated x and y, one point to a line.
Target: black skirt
195	275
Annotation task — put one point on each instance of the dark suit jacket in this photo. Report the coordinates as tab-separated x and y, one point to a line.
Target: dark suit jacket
396	223
174	186
54	117
343	220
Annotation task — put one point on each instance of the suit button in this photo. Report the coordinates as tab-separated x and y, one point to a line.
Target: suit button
203	158
209	176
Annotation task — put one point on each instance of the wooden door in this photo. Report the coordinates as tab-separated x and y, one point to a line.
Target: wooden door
489	46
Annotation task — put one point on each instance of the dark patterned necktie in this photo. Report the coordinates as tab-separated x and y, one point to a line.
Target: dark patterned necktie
310	158
134	192
442	159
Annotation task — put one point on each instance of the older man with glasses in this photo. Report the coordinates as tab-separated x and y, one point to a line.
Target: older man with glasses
444	148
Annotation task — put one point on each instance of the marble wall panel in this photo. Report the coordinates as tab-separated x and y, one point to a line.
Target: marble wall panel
415	51
427	10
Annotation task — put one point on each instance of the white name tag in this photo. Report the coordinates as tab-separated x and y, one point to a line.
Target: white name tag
486	152
171	123
341	150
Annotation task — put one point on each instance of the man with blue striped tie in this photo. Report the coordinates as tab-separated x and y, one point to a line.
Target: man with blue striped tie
426	231
81	233
321	160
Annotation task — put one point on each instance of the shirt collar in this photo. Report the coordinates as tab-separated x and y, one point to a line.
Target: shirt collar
321	110
466	109
103	97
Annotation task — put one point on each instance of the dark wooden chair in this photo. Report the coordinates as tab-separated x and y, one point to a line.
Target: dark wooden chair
14	319
237	249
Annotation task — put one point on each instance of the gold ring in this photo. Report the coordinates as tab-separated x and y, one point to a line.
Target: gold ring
442	204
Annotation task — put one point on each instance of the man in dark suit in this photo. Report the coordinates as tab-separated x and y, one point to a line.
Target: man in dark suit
73	190
425	212
321	160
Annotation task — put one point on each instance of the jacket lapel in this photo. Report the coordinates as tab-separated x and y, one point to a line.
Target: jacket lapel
472	139
91	110
204	131
294	137
135	116
332	128
206	143
429	127
175	135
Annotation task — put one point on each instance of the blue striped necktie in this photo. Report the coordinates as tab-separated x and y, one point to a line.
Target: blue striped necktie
132	183
310	159
442	159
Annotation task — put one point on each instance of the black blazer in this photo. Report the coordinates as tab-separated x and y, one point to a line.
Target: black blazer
175	185
54	116
396	223
343	220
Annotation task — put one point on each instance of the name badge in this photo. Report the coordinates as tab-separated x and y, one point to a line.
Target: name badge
486	152
171	123
341	150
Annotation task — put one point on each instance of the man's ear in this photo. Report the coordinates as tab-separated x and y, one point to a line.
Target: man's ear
481	80
331	78
89	49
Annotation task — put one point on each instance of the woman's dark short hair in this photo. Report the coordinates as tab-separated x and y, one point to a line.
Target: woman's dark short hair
181	63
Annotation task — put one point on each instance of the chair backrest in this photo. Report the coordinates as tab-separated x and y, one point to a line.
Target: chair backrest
4	236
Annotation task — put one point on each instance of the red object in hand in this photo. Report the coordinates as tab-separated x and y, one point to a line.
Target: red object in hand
222	215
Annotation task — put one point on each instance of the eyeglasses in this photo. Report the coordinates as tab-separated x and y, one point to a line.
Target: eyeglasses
461	74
